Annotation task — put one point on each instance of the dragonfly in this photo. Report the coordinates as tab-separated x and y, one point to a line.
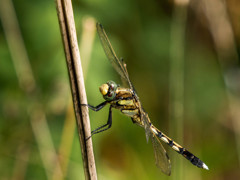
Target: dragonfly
125	99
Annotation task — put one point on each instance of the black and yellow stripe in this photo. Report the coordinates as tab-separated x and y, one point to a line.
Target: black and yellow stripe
181	150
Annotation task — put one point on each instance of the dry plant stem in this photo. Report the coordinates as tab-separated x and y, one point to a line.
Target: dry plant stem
67	26
88	34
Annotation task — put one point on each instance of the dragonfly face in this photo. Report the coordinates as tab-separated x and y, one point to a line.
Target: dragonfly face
127	101
108	90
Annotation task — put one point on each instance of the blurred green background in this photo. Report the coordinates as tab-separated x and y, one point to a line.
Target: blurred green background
182	58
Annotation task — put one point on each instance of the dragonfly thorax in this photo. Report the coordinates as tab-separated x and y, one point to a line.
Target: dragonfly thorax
108	90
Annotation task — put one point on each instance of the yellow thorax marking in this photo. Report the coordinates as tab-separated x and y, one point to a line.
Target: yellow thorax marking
126	102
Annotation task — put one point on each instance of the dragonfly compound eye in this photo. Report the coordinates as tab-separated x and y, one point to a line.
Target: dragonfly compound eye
110	95
112	85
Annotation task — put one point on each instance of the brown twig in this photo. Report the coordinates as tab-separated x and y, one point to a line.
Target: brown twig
68	31
86	45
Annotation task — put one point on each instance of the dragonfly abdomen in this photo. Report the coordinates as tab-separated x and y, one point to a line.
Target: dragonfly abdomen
181	150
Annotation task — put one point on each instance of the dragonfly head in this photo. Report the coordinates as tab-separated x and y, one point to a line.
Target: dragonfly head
108	90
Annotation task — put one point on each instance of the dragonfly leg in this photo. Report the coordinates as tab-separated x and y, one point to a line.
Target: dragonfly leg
105	126
96	108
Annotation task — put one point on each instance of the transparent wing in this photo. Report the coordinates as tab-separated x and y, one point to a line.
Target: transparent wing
118	65
161	157
146	123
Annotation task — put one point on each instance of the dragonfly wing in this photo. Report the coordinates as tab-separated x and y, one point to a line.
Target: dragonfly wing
118	65
161	157
146	124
